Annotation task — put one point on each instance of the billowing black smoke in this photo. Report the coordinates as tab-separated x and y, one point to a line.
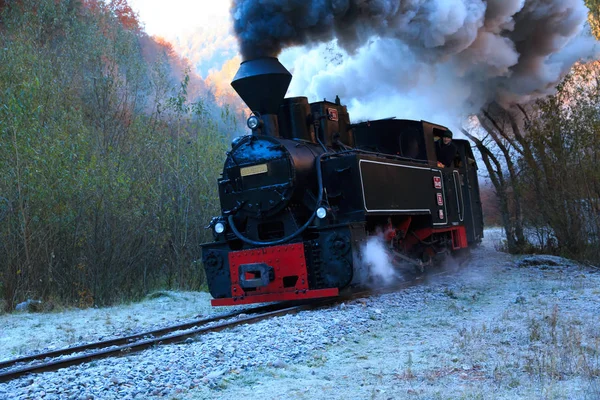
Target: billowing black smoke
264	28
503	50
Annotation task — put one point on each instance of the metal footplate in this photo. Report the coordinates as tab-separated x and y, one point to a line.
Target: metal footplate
269	274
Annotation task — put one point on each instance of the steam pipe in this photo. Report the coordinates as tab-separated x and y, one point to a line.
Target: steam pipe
270	125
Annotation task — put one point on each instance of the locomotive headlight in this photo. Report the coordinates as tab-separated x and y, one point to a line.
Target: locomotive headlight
321	213
253	122
219	227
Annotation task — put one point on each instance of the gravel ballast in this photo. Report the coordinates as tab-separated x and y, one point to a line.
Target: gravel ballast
505	327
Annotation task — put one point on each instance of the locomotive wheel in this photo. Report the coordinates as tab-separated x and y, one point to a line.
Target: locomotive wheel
428	257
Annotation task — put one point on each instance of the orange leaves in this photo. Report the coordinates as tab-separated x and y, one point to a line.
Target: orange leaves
125	14
120	8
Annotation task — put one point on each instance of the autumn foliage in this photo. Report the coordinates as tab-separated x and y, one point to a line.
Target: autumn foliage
125	14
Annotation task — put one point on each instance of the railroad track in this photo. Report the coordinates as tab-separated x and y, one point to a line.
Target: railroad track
55	360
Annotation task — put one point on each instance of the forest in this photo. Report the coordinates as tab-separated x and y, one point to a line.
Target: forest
110	147
109	152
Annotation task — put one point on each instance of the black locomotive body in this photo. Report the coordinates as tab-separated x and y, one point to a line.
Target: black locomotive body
307	188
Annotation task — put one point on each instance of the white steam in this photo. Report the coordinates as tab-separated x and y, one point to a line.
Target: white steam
396	85
376	257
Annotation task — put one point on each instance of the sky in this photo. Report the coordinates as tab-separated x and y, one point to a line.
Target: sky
173	17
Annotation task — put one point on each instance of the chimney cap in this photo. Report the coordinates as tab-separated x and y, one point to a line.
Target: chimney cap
262	83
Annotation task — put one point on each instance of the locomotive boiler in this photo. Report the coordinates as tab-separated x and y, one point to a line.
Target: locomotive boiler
302	193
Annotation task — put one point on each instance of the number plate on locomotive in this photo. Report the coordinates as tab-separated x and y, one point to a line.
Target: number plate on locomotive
254	170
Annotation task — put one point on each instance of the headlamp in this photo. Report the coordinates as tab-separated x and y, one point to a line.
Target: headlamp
321	212
219	227
253	122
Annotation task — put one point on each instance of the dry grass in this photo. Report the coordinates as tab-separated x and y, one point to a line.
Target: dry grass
562	347
532	349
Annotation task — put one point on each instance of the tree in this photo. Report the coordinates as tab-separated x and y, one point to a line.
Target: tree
125	14
565	140
543	161
594	16
498	146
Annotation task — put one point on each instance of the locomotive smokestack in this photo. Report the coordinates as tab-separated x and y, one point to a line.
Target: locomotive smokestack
262	84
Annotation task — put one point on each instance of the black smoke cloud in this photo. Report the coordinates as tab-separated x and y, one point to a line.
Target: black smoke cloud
264	28
504	50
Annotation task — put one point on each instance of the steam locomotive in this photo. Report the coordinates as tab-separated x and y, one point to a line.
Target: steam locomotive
303	192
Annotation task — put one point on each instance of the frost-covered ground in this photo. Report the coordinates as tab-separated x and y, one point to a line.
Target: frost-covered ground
23	334
506	328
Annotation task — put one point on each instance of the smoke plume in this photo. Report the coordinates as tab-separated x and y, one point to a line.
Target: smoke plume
469	51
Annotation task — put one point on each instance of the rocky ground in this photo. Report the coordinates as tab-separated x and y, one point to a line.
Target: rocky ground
504	328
